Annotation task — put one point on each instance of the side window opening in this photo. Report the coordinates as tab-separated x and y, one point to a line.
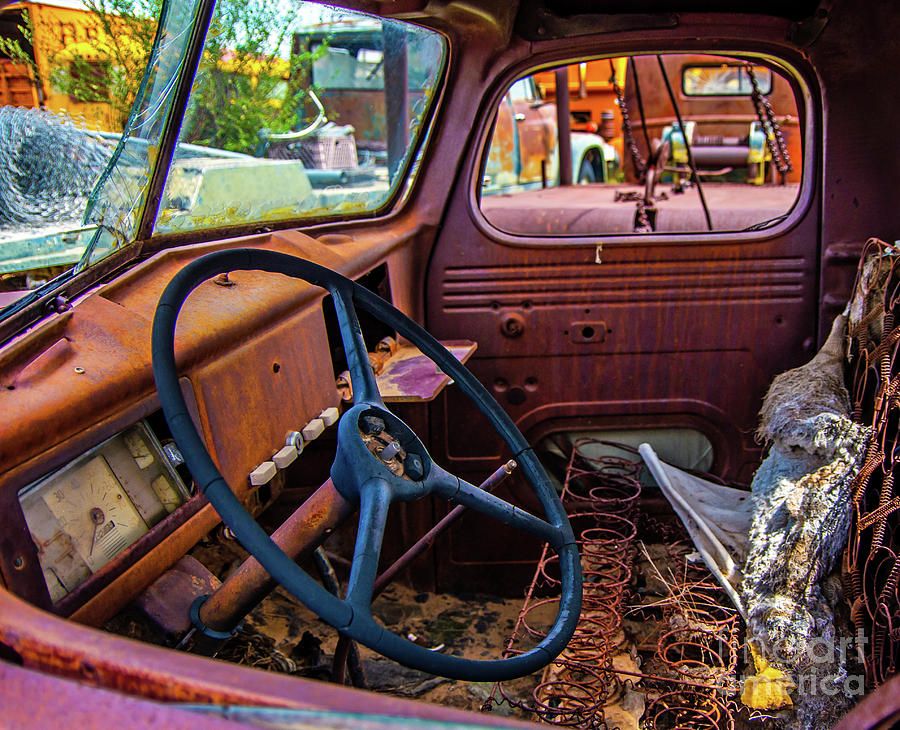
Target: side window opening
735	166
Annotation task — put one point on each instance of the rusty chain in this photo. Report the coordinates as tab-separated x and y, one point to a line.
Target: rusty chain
640	164
770	127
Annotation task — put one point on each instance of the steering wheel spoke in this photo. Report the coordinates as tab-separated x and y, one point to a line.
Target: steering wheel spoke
365	388
454	489
375	500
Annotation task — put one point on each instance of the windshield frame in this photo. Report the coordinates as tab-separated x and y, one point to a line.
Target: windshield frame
56	295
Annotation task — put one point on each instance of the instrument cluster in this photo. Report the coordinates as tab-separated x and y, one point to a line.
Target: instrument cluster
83	515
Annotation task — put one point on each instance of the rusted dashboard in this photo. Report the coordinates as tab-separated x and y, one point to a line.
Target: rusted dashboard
80	410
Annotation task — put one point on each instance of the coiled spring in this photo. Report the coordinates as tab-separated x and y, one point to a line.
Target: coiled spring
695	663
871	568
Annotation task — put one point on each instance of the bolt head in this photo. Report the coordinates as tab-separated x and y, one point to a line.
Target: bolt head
415	469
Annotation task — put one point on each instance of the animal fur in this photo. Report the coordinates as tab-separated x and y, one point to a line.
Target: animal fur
800	521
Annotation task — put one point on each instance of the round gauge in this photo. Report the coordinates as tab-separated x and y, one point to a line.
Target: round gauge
88	512
92	508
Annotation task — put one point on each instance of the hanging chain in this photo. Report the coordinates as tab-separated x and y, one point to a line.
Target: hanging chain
640	164
641	219
770	126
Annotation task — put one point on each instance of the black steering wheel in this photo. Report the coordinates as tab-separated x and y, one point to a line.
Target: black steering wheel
364	479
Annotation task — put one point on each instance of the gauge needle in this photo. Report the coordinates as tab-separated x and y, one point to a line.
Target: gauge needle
98	518
56	575
93	538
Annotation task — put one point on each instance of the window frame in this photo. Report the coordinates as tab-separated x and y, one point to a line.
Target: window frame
790	63
395	195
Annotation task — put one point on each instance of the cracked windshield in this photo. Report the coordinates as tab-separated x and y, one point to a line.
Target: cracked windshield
296	111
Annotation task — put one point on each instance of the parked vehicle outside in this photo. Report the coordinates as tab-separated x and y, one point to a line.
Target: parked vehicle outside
524	149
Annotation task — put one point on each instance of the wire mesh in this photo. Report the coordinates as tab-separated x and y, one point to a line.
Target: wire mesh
48	165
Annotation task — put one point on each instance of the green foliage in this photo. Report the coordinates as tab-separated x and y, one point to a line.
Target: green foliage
239	74
129	26
245	82
112	72
85	81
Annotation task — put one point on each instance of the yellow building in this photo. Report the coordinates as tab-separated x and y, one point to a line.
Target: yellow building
64	31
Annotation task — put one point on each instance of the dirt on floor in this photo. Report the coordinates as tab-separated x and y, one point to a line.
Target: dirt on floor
282	635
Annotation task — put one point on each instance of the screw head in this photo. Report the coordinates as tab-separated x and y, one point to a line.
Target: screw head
390	451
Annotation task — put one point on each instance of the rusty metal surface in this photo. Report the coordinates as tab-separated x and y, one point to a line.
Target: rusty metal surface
594	209
733	307
278	384
41	702
60	408
859	169
879	710
758	338
731	311
168	599
300	534
107	336
8	297
57	647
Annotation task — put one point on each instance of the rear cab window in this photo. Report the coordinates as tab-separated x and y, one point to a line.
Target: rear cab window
735	167
725	79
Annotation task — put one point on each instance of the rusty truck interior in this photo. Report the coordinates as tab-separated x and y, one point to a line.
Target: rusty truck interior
344	429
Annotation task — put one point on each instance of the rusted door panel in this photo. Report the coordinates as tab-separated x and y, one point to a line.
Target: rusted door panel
862	162
657	335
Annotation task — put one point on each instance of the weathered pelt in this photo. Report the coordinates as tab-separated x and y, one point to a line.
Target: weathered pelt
800	520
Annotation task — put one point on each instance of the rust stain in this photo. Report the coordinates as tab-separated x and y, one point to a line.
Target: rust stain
299	535
410	376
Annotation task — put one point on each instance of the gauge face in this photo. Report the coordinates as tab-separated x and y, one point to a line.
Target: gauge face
88	512
94	510
166	493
